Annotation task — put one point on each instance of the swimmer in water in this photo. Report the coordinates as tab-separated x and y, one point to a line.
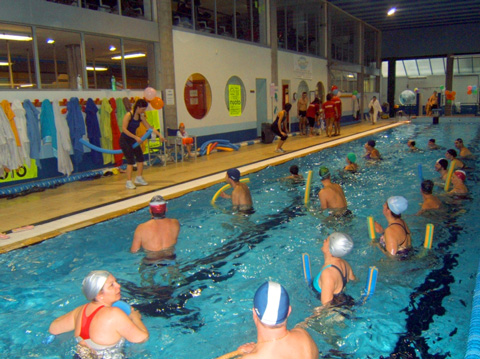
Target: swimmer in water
396	241
158	235
241	197
294	174
451	155
372	152
411	146
464	152
432	145
430	202
331	195
458	183
351	163
101	329
441	167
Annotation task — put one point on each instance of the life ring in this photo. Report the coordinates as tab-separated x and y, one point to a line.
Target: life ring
227	186
307	187
114	152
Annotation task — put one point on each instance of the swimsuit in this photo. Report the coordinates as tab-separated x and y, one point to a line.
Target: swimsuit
317	278
339	299
403	252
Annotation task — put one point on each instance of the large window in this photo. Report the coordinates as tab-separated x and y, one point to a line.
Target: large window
17	66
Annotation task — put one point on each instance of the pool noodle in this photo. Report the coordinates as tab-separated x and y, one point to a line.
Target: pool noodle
227	186
114	152
307	187
123	306
449	176
371	282
371	227
306	268
420	173
429	236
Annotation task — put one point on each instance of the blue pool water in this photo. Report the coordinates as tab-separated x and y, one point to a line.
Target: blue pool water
201	306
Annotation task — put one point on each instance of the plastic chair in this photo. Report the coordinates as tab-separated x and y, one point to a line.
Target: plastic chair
177	144
156	149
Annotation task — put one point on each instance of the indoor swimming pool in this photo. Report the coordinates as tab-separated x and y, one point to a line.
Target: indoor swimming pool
200	305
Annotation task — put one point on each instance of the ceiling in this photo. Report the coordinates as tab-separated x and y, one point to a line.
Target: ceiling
412	13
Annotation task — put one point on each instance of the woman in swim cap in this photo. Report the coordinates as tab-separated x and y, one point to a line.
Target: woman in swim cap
99	328
336	272
351	163
396	240
458	184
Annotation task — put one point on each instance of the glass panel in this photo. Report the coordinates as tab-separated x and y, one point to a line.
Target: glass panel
385	68
301	25
242	11
369	84
313	34
197	96
342	36
235	95
131	8
60	60
476	65
136	65
291	31
205	15
281	29
182	13
400	69
411	67
370	47
424	67
465	65
17	65
100	65
438	66
225	18
259	21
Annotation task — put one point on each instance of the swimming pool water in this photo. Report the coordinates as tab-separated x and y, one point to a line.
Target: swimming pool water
200	307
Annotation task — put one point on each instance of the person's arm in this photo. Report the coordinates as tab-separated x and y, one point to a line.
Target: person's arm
391	245
137	240
126	120
131	328
65	323
147	126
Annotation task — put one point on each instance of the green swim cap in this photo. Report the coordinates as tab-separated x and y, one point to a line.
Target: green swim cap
352	157
324	172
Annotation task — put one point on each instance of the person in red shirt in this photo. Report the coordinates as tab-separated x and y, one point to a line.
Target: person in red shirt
338	105
312	114
331	113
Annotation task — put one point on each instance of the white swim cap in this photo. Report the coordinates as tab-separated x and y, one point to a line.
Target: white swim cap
94	282
397	204
340	244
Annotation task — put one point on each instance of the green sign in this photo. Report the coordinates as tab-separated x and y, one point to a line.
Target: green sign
235	100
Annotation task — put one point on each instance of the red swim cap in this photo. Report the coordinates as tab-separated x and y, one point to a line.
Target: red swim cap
460	174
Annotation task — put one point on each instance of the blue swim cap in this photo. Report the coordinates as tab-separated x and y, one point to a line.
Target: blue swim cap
271	303
397	204
233	174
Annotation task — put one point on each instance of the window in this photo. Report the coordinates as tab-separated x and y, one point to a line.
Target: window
100	66
225	18
197	96
235	96
137	56
243	20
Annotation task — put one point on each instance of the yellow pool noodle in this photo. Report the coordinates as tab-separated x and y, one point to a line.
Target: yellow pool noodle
429	236
307	187
371	227
227	186
451	168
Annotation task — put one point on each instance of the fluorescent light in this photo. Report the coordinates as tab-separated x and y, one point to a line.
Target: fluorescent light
129	56
97	68
15	37
112	48
50	41
3	63
350	76
26	85
391	11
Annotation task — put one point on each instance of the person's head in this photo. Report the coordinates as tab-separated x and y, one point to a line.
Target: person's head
99	284
294	170
140	106
271	304
288	106
459	143
351	157
233	174
431	142
451	154
411	143
374	98
427	186
461	175
441	163
338	244
158	207
324	173
304	94
435	93
316	100
396	205
181	126
370	144
329	97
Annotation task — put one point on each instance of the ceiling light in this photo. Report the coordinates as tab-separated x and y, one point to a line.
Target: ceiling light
391	11
50	41
129	56
15	37
97	68
112	48
350	76
26	85
3	63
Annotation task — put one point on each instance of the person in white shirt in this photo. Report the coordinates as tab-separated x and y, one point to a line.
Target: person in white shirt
375	108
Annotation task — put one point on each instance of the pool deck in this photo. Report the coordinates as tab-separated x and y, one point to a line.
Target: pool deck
81	204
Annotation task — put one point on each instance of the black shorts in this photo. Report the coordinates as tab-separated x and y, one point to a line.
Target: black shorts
275	130
131	154
302	113
311	121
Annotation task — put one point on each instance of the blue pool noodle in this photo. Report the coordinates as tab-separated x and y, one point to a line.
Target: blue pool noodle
306	268
114	152
123	306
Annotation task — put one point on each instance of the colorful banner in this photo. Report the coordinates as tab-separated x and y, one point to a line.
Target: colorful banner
21	173
235	100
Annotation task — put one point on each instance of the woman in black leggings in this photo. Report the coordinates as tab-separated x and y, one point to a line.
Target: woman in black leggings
279	127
